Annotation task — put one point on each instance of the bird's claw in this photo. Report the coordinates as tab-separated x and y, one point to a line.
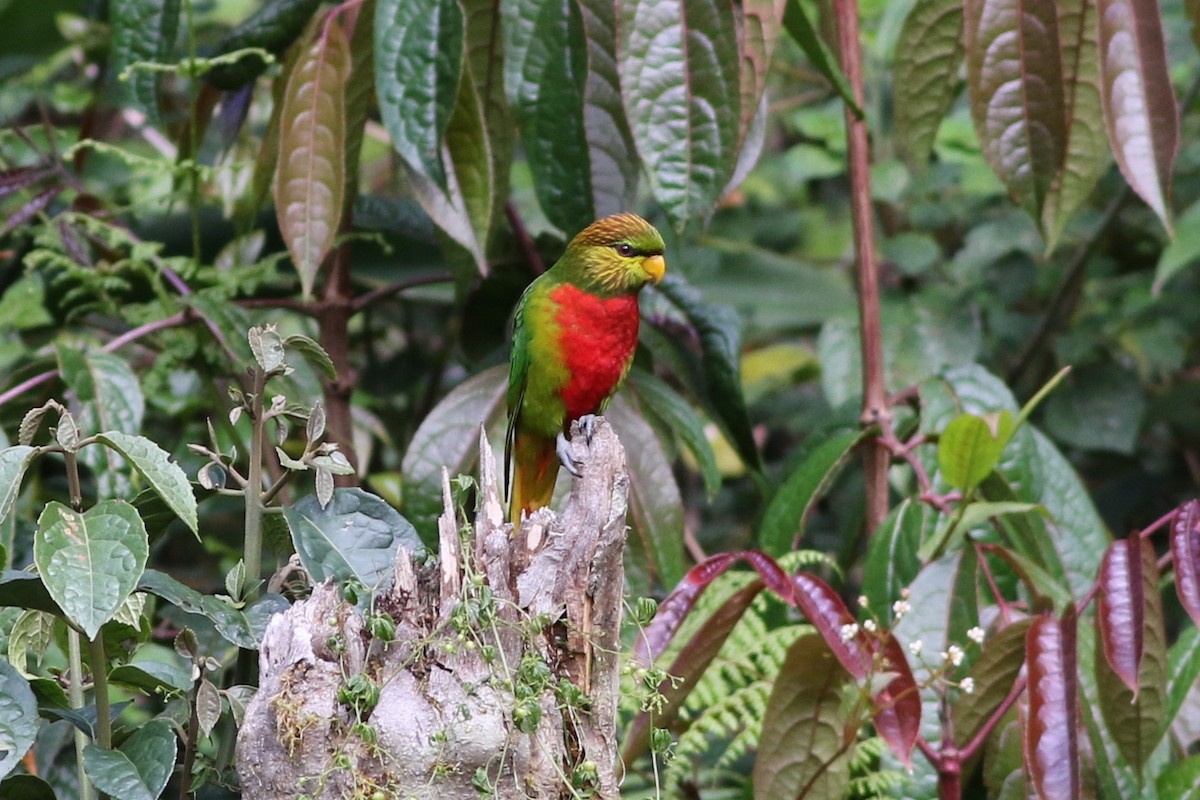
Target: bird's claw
587	426
562	448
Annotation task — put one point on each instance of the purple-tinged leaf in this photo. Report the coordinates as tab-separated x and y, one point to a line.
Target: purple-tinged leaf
771	573
1121	608
1185	553
693	658
1051	740
925	83
1135	715
1137	98
311	179
822	606
804	749
898	706
672	610
14	180
30	209
994	675
1014	78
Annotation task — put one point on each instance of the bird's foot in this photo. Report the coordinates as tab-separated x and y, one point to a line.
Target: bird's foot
562	447
587	426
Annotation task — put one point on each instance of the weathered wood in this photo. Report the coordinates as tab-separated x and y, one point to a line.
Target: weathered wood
501	617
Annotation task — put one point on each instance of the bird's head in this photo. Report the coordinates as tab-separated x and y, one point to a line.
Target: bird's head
615	255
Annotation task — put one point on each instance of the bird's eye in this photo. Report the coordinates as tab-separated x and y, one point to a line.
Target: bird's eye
624	250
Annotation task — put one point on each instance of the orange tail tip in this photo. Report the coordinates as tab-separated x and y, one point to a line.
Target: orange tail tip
535	471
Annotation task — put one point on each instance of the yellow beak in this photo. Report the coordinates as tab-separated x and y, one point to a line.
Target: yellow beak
655	266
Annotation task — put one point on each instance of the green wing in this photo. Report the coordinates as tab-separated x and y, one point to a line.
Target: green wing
518	373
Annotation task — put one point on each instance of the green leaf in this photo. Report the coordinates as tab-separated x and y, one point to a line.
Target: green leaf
655	505
355	536
360	97
970	447
720	334
1086	156
231	321
1015	83
139	769
273	27
18	717
449	437
1180	781
1137	98
229	622
418	63
802	749
995	673
90	562
469	149
1099	408
783	522
929	54
1003	770
974	514
798	26
21	589
142	31
152	677
892	560
165	476
13	463
759	25
1183	668
1182	251
679	77
310	182
112	400
313	353
26	787
32	632
656	398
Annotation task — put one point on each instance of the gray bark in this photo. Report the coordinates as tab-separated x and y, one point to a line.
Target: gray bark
448	723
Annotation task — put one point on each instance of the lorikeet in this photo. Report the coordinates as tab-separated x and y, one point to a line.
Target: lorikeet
573	343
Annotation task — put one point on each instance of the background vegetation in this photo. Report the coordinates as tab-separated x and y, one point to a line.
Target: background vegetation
207	205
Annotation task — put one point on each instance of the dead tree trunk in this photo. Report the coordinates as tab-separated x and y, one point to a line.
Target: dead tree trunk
502	678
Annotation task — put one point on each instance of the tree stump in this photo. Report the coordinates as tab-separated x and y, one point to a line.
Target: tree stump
501	680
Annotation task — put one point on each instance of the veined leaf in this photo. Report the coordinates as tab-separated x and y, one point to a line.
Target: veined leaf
892	561
1051	732
679	77
13	463
760	23
929	53
360	95
811	41
18	718
994	674
1014	77
140	768
1185	552
229	621
659	400
469	149
804	750
970	447
1138	102
484	67
90	562
1086	153
143	31
311	178
273	27
418	63
164	476
1120	614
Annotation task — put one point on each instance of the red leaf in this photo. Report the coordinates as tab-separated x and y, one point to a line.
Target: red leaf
1121	608
1051	730
1185	552
672	611
898	706
772	574
822	607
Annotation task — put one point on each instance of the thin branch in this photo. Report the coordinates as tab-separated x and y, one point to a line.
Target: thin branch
982	734
532	256
375	295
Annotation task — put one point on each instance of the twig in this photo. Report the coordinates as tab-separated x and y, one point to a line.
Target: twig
532	256
375	295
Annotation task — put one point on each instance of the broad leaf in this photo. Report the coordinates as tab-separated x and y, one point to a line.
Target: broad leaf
804	749
418	64
143	31
1003	771
355	536
892	561
970	447
1051	732
1135	714
1086	155
26	787
90	562
13	463
929	54
165	476
112	400
1138	102
1182	251
679	79
995	675
1180	781
448	437
311	176
1014	78
672	611
1183	668
1185	553
229	622
805	34
783	522
484	70
139	769
360	96
657	399
760	22
18	718
152	677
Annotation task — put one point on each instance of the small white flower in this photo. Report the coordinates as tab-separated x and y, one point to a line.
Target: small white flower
862	601
849	631
904	593
869	626
967	685
954	654
976	635
901	607
915	646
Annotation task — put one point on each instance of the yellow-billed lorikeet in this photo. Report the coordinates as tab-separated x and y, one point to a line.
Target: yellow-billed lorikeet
575	334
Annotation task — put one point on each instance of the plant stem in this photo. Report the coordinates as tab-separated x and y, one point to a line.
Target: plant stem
875	409
100	690
333	317
75	690
189	746
193	134
254	488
